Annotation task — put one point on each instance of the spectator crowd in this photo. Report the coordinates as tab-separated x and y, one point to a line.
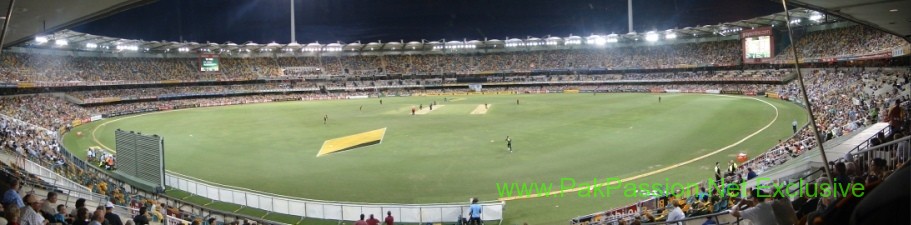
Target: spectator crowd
18	67
844	102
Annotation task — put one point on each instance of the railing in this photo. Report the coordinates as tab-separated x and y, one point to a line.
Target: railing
893	152
56	180
887	131
349	211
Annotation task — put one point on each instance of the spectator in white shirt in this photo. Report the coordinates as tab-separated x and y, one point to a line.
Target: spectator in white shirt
676	213
758	211
30	214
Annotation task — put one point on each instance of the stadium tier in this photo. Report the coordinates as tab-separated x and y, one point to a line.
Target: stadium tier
850	42
270	108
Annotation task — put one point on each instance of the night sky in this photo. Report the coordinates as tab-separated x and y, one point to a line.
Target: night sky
264	21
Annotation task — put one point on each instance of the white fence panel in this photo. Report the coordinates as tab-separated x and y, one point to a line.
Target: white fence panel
411	215
214	192
193	188
315	210
451	213
265	203
239	198
351	213
182	184
431	215
252	200
491	212
280	205
297	208
225	195
332	212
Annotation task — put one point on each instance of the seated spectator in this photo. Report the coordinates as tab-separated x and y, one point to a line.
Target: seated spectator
758	211
12	214
676	212
82	216
143	217
48	206
60	216
30	214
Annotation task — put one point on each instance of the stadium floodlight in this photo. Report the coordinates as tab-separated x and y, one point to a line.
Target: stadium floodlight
597	40
670	35
815	17
613	38
61	42
41	39
91	45
651	36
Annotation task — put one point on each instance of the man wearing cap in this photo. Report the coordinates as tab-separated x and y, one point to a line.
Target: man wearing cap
109	217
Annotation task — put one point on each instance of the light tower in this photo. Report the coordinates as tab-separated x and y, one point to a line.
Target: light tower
293	40
629	4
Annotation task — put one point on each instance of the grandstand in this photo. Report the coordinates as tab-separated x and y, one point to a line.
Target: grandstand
857	77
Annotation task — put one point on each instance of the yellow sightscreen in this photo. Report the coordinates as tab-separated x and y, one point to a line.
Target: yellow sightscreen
352	141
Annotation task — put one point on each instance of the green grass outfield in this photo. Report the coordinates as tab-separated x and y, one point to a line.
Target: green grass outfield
449	155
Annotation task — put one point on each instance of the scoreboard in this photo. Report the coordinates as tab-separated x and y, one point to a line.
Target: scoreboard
758	45
208	63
